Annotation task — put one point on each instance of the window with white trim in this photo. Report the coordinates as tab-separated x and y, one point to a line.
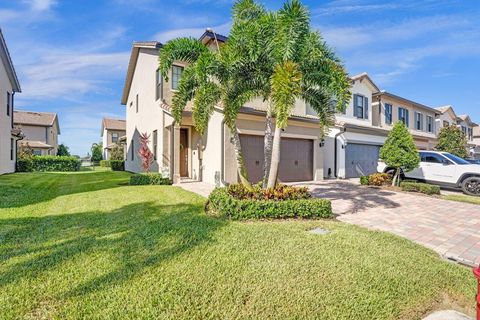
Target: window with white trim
418	121
176	75
388	113
403	115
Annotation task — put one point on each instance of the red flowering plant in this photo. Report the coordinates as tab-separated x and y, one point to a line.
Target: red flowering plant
144	152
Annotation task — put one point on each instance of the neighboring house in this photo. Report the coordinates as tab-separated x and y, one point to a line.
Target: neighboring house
41	130
476	142
447	117
466	125
112	131
183	154
9	85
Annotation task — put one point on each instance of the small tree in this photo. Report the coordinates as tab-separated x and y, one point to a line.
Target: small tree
97	152
452	139
399	151
63	150
117	152
144	152
25	152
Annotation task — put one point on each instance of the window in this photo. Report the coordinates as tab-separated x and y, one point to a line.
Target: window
455	158
12	143
158	85
432	158
37	152
176	75
155	142
8	103
445	123
388	113
360	106
133	150
470	134
136	102
418	121
429	124
131	104
464	130
403	116
114	137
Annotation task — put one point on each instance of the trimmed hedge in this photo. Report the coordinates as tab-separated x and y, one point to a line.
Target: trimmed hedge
105	163
140	179
221	203
48	163
420	187
117	165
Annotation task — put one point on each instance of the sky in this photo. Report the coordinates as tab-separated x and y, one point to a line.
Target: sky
71	56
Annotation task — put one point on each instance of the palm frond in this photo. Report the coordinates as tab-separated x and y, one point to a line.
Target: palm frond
206	97
185	92
286	86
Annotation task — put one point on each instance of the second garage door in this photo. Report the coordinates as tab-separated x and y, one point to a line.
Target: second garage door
360	160
296	158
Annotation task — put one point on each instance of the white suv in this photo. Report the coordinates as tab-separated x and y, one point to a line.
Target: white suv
444	169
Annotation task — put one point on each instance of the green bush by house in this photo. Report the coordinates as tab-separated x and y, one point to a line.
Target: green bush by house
149	179
222	203
105	163
48	163
117	165
420	187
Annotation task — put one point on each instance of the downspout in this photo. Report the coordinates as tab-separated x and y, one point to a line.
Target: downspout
222	151
172	150
335	151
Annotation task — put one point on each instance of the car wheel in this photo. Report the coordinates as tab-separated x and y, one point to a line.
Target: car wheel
471	186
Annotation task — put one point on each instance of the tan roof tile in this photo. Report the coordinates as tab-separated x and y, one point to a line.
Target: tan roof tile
115	124
34	118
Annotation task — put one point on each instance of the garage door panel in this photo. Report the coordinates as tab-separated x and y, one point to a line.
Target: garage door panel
296	158
361	159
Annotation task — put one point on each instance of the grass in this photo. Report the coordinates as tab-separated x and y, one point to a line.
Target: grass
462	198
85	245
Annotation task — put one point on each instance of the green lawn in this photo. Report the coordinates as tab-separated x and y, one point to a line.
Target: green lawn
86	245
462	198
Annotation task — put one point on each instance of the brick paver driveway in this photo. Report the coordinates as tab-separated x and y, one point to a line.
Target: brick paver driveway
450	228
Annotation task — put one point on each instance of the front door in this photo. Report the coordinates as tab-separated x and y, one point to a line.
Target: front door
183	152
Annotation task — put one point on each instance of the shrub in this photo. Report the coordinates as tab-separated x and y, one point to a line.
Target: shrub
420	187
149	179
49	163
117	165
364	180
280	192
221	203
105	163
379	179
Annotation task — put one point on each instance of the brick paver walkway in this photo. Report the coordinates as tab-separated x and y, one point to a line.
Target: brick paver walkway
450	228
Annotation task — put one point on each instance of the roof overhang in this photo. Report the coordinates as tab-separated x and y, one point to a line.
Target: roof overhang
365	76
209	35
7	62
393	96
132	64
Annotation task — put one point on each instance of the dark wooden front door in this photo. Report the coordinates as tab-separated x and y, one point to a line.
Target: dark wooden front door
183	152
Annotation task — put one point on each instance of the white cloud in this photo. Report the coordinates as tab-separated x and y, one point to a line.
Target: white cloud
41	5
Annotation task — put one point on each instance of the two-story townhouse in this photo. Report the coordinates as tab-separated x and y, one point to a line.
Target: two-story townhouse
183	154
419	118
466	125
9	85
40	130
447	117
112	131
476	142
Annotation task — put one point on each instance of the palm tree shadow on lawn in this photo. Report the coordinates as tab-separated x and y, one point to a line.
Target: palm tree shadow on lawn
137	236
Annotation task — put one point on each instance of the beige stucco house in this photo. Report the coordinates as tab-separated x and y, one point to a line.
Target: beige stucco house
40	130
111	132
9	85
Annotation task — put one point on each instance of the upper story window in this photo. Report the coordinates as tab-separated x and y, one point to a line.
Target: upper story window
176	75
8	103
388	113
429	124
464	130
445	123
470	133
114	137
309	110
418	121
158	85
360	106
403	116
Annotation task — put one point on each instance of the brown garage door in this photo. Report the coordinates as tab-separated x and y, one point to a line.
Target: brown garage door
296	158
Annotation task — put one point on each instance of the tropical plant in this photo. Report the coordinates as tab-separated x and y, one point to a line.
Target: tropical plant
63	150
146	156
399	151
97	149
452	139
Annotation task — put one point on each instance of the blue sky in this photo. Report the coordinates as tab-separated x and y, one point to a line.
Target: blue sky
71	56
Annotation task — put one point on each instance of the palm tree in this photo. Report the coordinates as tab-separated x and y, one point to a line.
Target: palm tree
208	82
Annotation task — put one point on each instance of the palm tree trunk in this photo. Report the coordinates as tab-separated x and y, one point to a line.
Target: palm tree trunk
241	169
273	174
268	143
